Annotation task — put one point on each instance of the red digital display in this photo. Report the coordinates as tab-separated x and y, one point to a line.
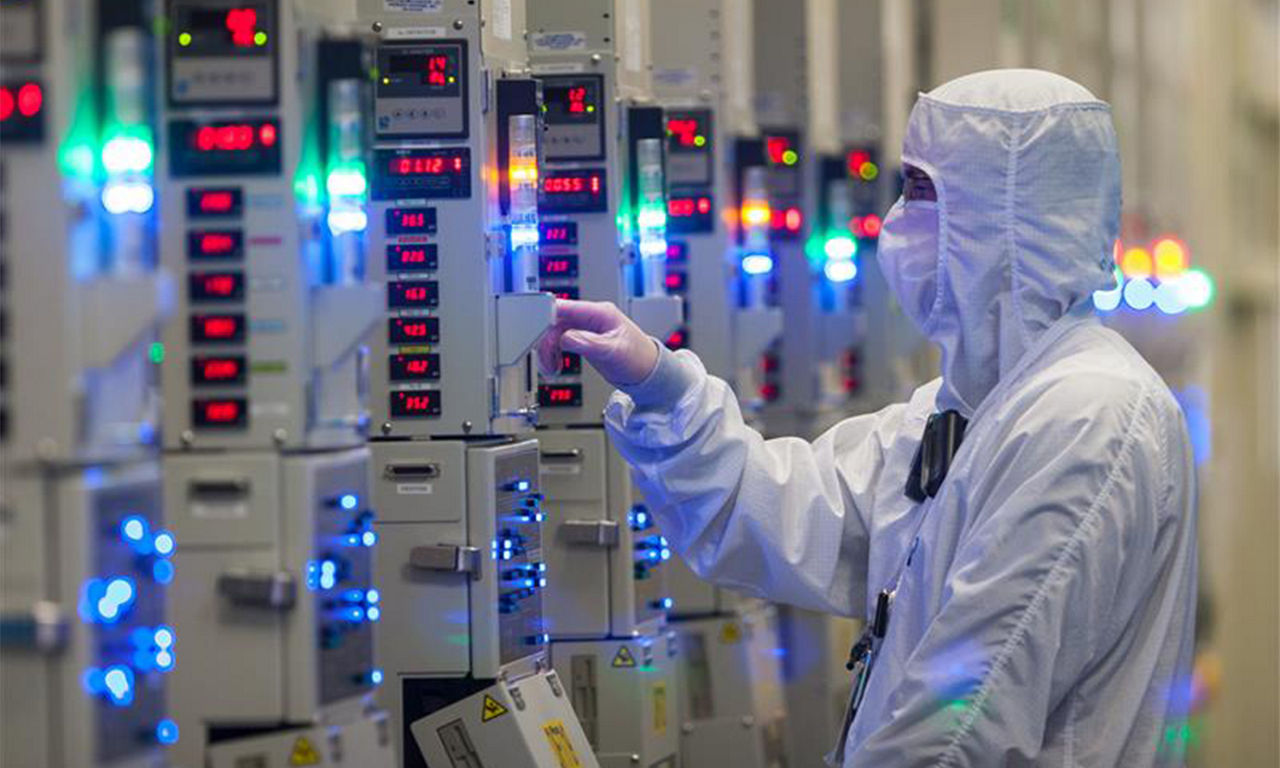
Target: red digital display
215	244
558	233
222	148
425	166
684	207
206	371
412	258
676	282
215	286
414	367
570	363
234	137
788	220
868	226
215	329
558	266
413	330
413	294
26	100
220	412
214	203
560	395
411	221
415	404
686	132
576	191
679	339
566	292
777	147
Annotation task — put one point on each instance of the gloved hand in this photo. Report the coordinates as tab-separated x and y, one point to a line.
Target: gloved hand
608	340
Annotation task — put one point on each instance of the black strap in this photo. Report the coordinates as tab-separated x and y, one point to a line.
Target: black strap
943	433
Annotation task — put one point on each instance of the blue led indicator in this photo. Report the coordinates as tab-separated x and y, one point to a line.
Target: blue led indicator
373	613
162	571
167	732
133	528
117	681
372	596
163	543
523	485
375	677
368	538
349	501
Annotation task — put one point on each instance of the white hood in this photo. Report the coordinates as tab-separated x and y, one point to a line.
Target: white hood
1027	175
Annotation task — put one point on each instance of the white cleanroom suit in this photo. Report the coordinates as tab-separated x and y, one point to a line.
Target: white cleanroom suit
1044	597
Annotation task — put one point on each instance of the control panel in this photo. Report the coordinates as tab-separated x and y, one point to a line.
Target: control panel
266	192
452	235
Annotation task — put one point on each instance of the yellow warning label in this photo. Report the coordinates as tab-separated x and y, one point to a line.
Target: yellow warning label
660	707
304	753
563	749
492	708
623	657
730	633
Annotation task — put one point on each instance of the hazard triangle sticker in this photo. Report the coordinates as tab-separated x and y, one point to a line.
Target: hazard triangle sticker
492	708
303	753
623	657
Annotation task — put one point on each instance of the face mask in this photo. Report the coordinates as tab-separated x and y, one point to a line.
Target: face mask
908	253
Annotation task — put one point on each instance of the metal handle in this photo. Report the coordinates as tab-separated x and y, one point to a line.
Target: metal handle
219	488
573	454
41	628
449	558
594	533
275	590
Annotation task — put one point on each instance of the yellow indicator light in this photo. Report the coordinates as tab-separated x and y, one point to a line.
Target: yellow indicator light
523	173
260	38
386	81
1170	258
755	213
591	107
869	171
699	141
790	157
1136	262
184	39
453	79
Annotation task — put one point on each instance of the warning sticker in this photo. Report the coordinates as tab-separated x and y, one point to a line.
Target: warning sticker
660	707
563	749
730	633
492	708
624	658
303	753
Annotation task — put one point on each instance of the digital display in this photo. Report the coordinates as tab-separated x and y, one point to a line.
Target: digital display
220	412
412	258
570	363
413	330
676	282
576	191
558	266
422	173
687	133
560	395
416	367
780	150
21	111
217	329
243	29
571	100
207	203
215	286
690	214
413	294
411	221
420	90
224	147
217	370
415	404
215	244
572	107
565	292
677	252
425	70
558	233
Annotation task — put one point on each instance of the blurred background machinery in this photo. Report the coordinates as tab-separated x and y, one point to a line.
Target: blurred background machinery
279	482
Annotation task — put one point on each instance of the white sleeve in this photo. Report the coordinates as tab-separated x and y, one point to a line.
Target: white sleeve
784	519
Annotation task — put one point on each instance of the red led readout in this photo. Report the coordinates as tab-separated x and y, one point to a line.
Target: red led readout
425	330
217	328
777	147
236	137
438	70
685	131
216	286
683	207
558	266
787	220
222	412
868	226
564	184
577	100
425	166
414	367
409	258
675	281
27	103
415	404
7	104
217	370
560	395
242	23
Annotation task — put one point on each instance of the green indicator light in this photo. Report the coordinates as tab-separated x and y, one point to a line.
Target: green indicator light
699	141
869	171
184	39
155	353
260	38
591	107
790	157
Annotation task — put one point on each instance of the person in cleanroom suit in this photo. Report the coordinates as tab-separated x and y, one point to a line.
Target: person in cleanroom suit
1038	602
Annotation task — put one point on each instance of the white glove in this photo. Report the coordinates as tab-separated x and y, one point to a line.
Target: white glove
608	340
